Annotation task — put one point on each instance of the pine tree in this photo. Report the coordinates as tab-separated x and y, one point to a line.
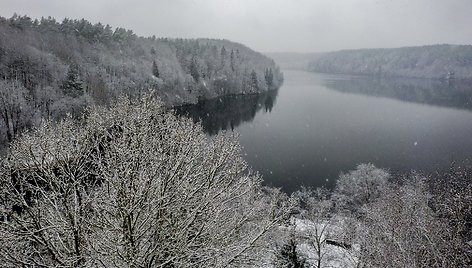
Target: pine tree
232	60
223	57
288	256
254	81
73	86
194	69
269	77
155	69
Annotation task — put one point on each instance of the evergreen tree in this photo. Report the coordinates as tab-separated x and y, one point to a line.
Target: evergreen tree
73	86
254	81
288	256
155	69
194	69
223	57
269	77
232	61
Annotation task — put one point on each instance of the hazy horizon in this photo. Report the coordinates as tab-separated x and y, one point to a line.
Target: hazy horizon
359	48
301	26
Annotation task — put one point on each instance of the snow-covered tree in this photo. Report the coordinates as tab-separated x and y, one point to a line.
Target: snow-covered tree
132	186
73	85
401	229
359	187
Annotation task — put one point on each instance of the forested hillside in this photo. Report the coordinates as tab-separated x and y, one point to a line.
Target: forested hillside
50	68
436	61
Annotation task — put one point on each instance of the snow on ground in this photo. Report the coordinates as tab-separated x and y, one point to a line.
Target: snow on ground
331	255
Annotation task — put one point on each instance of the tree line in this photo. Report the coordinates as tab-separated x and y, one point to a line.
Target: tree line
434	61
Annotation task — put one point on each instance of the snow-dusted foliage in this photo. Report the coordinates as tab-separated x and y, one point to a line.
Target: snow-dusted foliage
400	229
132	186
360	186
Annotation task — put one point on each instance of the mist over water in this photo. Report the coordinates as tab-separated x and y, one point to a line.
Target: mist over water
319	125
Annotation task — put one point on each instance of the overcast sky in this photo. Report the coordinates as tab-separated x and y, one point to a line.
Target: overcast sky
274	25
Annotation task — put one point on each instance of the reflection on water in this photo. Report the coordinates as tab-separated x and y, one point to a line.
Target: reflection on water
316	130
447	93
228	112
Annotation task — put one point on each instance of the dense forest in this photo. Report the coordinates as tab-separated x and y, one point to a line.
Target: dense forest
435	61
50	68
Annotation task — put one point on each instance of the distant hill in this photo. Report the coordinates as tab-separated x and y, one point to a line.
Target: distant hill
435	61
49	69
292	60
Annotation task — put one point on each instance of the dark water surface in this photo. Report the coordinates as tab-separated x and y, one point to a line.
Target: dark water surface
318	125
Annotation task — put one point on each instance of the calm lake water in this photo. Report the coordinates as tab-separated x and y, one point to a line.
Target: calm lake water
316	126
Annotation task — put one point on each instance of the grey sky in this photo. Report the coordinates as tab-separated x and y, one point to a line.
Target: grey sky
274	25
